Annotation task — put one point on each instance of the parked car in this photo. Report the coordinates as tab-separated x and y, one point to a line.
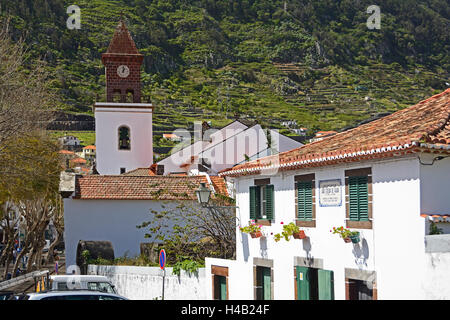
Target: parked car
6	295
73	295
81	282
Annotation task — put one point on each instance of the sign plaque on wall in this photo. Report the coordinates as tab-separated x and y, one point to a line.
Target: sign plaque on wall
330	193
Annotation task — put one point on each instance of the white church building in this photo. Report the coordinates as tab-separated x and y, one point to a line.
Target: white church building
109	205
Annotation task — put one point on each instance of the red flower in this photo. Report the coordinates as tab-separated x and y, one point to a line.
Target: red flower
281	222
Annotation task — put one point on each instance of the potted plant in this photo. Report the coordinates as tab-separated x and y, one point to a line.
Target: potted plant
346	234
253	229
289	230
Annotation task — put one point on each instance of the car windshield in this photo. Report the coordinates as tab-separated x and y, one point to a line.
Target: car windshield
82	297
101	286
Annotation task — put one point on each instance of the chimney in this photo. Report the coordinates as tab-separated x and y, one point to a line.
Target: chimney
160	169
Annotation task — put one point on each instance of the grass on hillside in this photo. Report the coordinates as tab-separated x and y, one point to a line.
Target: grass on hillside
86	137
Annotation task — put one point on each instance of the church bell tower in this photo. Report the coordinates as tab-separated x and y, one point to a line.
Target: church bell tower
124	137
123	68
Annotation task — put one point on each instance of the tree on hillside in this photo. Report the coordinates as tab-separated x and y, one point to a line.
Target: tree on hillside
24	95
29	162
30	192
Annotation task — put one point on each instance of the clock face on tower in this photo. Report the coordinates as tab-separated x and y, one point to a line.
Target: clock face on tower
123	71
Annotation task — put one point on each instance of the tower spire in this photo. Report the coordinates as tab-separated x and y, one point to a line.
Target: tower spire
123	67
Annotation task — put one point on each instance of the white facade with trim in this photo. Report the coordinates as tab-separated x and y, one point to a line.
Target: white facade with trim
109	117
394	252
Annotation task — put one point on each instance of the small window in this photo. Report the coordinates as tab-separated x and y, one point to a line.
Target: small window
263	283
358	198
130	96
101	286
262	202
304	200
123	170
117	95
263	196
124	138
358	194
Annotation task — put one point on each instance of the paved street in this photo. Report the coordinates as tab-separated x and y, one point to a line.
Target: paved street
28	286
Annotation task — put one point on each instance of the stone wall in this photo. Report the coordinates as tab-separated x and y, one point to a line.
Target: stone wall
145	283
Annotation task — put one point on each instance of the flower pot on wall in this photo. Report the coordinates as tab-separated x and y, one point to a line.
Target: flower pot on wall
256	234
300	235
355	238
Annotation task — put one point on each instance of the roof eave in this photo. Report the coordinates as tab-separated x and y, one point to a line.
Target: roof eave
324	160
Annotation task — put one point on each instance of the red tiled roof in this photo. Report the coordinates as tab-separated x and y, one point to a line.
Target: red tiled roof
122	42
66	152
169	135
436	217
422	127
323	133
219	185
78	160
97	187
140	172
190	162
90	147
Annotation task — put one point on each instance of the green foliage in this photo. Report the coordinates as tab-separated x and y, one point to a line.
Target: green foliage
252	227
343	232
187	265
86	137
434	229
288	231
215	59
86	255
190	232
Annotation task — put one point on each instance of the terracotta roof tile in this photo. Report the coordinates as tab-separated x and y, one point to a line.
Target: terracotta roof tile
436	217
78	160
140	172
425	125
219	185
66	152
97	187
122	42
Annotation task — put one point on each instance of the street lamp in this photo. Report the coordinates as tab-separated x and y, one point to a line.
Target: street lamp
203	194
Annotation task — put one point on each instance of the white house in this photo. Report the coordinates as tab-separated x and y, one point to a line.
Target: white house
172	137
89	152
69	142
386	179
108	208
221	149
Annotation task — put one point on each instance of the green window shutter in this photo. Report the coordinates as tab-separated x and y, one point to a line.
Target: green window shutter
304	200
326	284
358	198
269	201
303	292
254	202
267	279
223	287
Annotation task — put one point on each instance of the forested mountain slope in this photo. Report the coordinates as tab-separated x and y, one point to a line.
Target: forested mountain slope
313	61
